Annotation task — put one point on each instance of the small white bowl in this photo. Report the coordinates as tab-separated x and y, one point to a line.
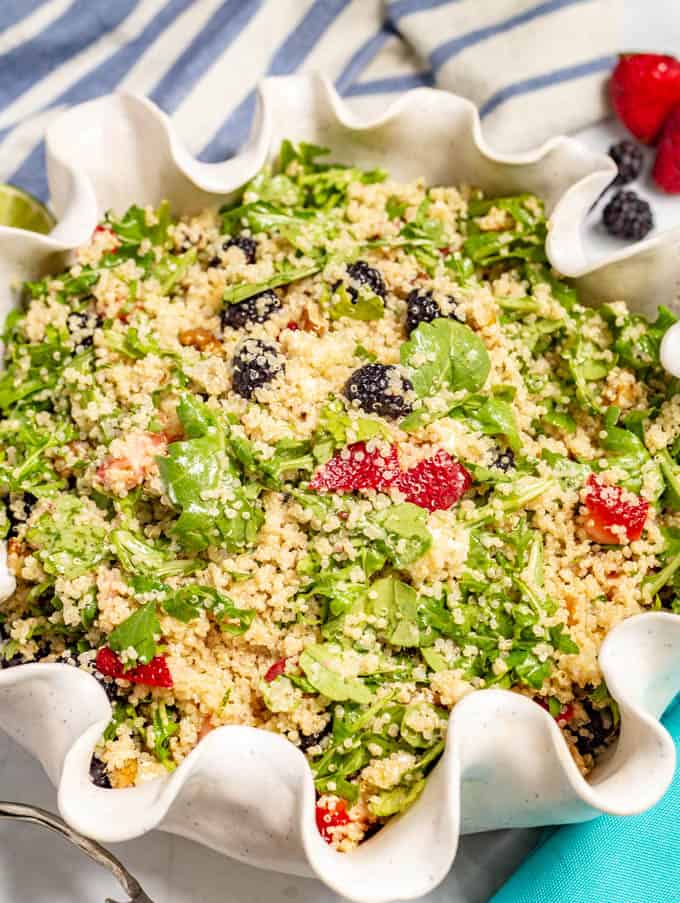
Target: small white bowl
249	793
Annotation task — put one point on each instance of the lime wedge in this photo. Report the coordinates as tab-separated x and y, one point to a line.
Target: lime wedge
22	211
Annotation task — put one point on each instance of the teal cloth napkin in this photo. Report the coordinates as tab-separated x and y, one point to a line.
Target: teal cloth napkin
611	859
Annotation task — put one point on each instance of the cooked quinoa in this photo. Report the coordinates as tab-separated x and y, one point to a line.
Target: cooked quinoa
323	462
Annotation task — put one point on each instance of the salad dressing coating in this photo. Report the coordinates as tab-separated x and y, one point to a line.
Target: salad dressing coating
324	462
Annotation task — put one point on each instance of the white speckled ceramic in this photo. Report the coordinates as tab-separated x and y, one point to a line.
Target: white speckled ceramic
249	793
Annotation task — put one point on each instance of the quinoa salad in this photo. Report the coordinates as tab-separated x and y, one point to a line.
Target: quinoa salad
323	462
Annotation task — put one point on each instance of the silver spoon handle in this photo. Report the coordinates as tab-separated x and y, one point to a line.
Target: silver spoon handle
92	849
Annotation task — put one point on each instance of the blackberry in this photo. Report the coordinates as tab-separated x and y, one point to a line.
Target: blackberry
81	327
246	244
255	364
19	509
628	157
422	308
98	773
379	389
598	732
255	309
364	274
504	460
307	740
16	659
628	216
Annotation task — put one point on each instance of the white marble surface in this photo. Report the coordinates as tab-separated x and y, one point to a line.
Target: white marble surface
38	867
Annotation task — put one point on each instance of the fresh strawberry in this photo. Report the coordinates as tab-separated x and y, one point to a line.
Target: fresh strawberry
276	670
327	818
565	715
154	674
612	507
435	483
666	170
357	468
644	88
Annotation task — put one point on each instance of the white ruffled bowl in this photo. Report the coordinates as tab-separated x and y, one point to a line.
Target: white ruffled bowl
249	793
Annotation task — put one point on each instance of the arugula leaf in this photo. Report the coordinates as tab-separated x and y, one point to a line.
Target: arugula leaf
321	665
395	208
336	429
423	237
132	228
139	556
285	276
491	416
406	535
171	269
390	802
366	306
198	476
138	633
65	543
232	620
637	341
164	726
524	240
671	473
445	354
396	603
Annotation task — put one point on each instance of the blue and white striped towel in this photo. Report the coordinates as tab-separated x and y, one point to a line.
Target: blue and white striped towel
534	68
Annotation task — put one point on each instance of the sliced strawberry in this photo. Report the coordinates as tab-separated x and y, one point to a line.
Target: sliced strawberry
276	670
327	818
435	483
644	87
154	674
666	170
107	231
614	515
355	467
566	712
565	715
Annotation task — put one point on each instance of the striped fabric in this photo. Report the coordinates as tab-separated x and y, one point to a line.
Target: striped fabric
534	68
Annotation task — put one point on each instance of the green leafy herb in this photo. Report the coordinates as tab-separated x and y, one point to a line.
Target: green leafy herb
136	637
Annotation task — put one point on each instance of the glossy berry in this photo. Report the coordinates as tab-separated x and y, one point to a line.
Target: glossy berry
357	468
154	674
98	773
436	483
422	308
379	389
255	364
364	274
628	158
244	243
614	515
81	327
644	88
666	170
276	670
504	460
599	731
307	740
327	818
256	309
628	216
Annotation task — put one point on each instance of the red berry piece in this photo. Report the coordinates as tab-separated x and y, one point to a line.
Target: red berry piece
614	515
276	670
435	483
666	170
644	87
355	467
154	674
327	818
